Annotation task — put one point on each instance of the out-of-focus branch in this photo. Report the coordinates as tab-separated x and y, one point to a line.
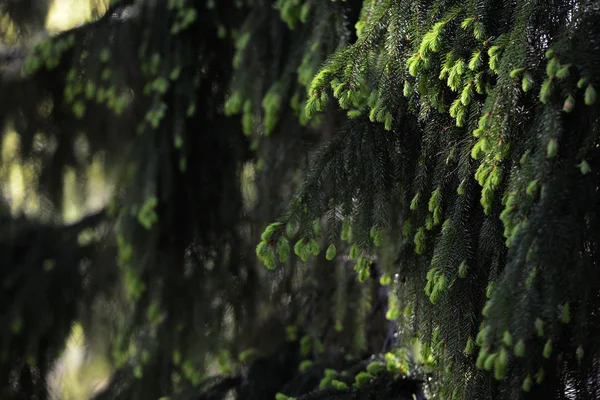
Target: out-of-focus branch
12	58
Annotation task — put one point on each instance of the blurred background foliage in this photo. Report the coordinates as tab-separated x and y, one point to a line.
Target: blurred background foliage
65	182
80	371
147	144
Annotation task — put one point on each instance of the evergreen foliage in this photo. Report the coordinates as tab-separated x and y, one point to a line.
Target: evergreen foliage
469	148
427	172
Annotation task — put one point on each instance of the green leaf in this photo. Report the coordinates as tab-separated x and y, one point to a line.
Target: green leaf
377	235
233	105
539	377
477	151
527	384
539	327
300	249
331	252
563	72
339	385
516	72
385	280
175	73
463	268
248	355
478	30
290	230
494	63
470	347
590	95
460	190
104	55
579	352
415	201
270	231
547	349
325	382
520	349
407	90
317	227
500	364
467	22
375	367
527	83
546	91
354	252
304	12
552	67
178	141
176	357
281	396
283	249
313	247
305	365
490	361
489	290
361	379
90	90
160	85
584	167
552	148
435	200
486	309
330	373
476	61
569	104
532	188
406	229
392	314
582	82
79	109
483	354
190	110
345	231
419	240
291	333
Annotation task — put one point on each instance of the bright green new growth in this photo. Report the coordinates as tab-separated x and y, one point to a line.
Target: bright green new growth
281	396
473	111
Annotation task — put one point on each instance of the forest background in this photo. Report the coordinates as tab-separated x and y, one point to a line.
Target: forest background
299	199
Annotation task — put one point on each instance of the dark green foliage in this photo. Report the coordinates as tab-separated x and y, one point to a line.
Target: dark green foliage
475	159
272	378
431	168
177	215
40	267
145	86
